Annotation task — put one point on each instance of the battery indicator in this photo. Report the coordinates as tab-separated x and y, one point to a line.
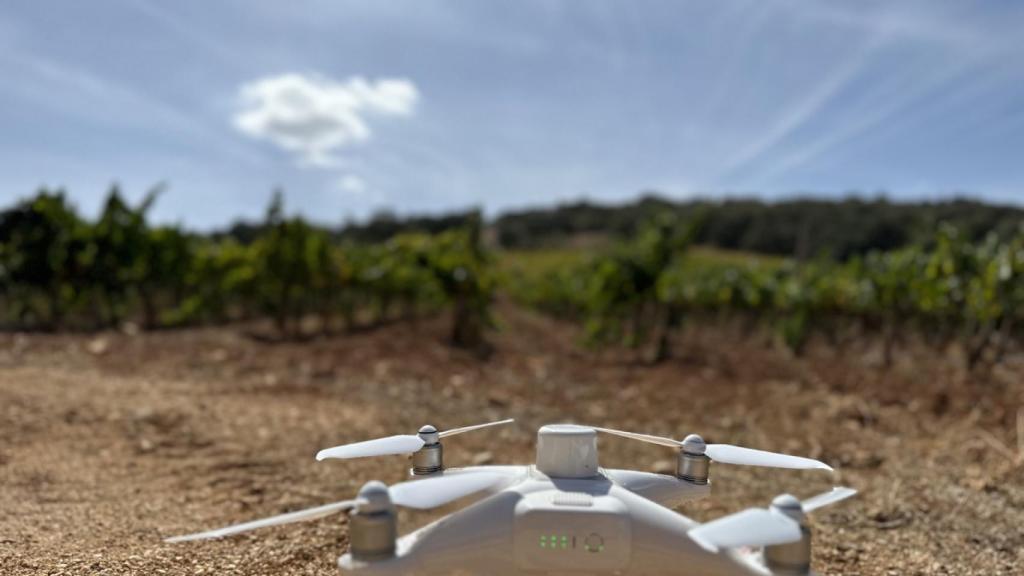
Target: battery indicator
557	541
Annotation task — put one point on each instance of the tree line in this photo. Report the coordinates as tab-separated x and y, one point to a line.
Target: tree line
801	228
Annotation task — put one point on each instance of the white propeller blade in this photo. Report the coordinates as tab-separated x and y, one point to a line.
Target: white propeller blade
838	493
729	454
401	444
760	526
300	516
751	527
438	491
455	431
419	494
642	437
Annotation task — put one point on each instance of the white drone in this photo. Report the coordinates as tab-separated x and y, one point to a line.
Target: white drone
564	514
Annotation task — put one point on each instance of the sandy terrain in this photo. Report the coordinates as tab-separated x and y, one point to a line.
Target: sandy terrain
109	443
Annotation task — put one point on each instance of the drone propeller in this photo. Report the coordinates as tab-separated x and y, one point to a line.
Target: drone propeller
400	444
725	453
418	494
778	524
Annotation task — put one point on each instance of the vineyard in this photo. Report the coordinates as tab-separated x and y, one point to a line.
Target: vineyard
60	271
952	291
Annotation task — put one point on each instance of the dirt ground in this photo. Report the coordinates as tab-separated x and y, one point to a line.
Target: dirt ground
110	443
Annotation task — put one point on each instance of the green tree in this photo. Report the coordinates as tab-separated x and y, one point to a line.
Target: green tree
118	265
43	243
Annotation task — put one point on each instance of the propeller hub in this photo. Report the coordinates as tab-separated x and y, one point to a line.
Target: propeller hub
694	444
429	435
374	498
790	506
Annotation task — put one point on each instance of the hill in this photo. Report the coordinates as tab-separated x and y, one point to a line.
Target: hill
800	227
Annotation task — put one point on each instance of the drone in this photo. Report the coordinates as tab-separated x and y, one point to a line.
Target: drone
564	514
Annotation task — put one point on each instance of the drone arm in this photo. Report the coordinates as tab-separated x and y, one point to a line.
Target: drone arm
669	491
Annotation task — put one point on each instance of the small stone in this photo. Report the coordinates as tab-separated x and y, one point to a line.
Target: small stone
481	458
664	467
98	346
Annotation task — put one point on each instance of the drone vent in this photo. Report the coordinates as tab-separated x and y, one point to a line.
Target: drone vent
579	499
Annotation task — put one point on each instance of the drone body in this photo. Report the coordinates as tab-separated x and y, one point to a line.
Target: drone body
565	514
543	525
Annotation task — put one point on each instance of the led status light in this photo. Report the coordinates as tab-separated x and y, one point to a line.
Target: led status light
557	541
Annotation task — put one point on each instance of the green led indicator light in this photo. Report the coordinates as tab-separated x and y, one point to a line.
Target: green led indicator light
554	542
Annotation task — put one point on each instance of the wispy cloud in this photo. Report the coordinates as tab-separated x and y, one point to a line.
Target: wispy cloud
849	130
883	31
804	109
82	94
316	117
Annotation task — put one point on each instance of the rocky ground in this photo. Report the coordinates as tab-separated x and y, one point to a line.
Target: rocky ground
110	443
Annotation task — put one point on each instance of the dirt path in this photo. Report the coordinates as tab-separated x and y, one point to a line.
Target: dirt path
110	443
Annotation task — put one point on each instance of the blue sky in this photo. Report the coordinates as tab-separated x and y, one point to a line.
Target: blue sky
424	106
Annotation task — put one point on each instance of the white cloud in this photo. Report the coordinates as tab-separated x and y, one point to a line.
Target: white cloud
352	184
316	117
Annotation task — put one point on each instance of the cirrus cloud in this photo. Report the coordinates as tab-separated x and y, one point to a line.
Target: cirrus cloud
315	117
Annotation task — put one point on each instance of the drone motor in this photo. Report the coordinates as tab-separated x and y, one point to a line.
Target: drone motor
429	459
794	557
692	464
373	525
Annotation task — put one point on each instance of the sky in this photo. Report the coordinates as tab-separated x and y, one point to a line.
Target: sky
424	107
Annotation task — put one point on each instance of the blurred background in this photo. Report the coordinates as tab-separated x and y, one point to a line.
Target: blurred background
799	223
